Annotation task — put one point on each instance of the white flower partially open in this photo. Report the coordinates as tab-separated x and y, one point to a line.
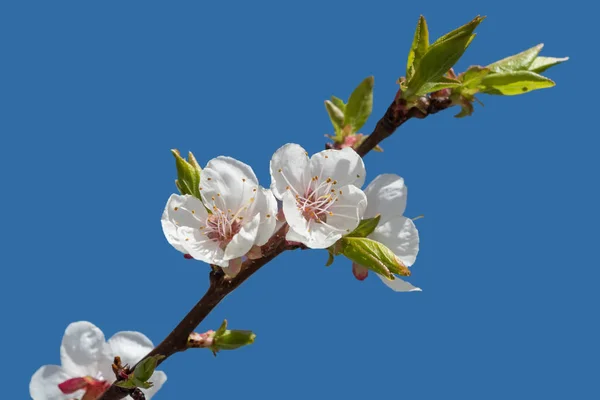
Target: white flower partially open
387	196
321	195
86	360
242	214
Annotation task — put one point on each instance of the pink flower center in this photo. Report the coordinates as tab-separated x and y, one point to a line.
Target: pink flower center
316	202
221	229
223	224
314	207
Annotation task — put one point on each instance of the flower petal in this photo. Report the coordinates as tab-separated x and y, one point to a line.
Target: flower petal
344	166
82	349
293	236
266	205
158	379
398	285
401	236
227	184
130	346
242	242
170	231
320	236
44	383
293	215
289	168
386	195
201	247
181	211
348	209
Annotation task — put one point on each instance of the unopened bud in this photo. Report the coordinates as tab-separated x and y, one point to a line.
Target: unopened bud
233	339
201	340
359	271
255	253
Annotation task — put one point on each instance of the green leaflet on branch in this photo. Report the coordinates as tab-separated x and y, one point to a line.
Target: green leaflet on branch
144	370
365	227
465	94
514	83
140	375
339	103
335	115
517	62
472	77
441	56
225	339
540	64
419	47
372	255
528	60
442	83
360	105
188	174
468	27
127	384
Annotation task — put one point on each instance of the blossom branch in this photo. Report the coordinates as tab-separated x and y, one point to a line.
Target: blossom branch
396	115
220	285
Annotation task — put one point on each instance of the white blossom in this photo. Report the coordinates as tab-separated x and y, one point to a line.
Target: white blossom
84	353
240	214
386	196
321	195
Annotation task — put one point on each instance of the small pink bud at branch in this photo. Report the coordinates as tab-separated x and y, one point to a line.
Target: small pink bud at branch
200	340
351	141
360	272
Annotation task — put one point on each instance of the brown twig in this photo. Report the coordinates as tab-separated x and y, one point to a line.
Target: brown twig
220	286
395	116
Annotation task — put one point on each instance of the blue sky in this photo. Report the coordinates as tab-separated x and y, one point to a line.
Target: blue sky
94	94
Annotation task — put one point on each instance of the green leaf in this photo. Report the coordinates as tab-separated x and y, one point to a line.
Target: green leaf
518	62
231	339
142	384
472	77
514	83
360	105
540	64
419	47
442	83
339	103
335	115
222	328
144	370
441	56
365	227
127	384
373	255
188	174
469	27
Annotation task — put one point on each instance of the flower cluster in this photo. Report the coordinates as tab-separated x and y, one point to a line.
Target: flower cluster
86	360
320	200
